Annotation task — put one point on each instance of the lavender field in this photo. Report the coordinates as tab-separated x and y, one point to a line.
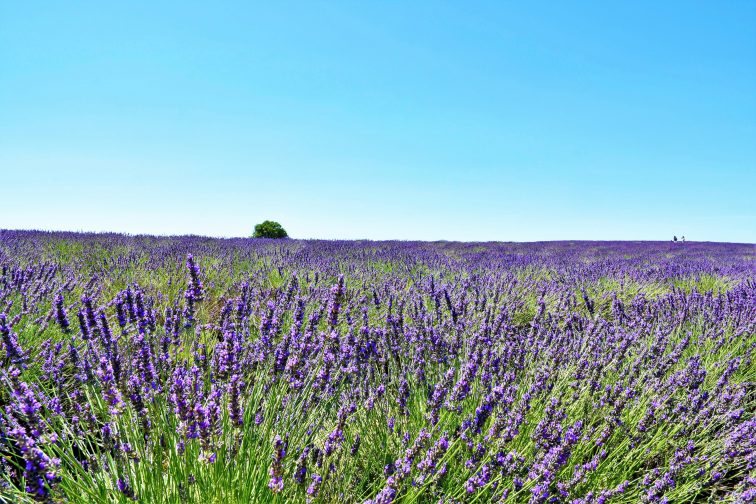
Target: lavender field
189	369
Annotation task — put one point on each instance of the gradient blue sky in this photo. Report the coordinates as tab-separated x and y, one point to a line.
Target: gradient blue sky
410	120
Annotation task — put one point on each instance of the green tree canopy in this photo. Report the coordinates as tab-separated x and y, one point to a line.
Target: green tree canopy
269	229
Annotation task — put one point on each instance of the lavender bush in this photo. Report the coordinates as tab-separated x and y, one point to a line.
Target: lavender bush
189	369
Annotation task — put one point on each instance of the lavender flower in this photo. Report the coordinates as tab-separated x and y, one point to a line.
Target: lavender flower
276	469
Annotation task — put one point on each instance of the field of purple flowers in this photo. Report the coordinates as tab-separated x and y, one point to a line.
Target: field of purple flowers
189	369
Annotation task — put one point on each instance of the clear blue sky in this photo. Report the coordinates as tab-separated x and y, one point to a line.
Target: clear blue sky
460	120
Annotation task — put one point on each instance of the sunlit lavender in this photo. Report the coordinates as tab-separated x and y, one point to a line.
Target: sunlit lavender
190	369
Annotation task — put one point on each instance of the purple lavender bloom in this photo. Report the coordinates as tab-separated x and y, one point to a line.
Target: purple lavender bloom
404	392
124	486
13	351
110	391
355	446
300	471
478	480
195	287
314	488
276	483
60	313
235	410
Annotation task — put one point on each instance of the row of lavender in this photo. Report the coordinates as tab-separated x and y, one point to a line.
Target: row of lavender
187	369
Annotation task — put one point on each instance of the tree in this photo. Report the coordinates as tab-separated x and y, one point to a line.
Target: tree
269	229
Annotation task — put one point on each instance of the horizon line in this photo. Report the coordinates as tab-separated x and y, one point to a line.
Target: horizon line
440	240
